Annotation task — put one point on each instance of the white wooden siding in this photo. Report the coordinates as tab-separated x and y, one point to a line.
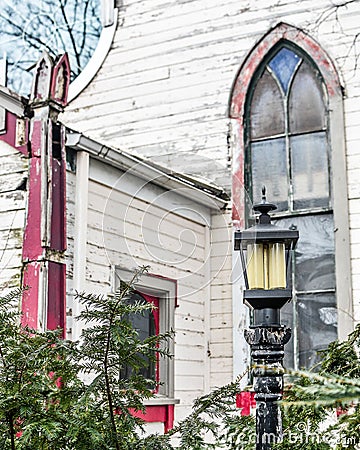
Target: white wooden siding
69	254
163	90
13	169
129	231
163	93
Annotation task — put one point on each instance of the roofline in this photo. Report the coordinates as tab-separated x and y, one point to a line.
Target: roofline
205	194
13	102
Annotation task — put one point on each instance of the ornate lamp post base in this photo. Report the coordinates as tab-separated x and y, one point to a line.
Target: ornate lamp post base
267	352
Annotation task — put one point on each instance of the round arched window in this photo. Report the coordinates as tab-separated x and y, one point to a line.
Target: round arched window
56	26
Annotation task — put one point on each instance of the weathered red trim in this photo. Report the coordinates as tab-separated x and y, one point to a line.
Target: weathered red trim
172	280
56	308
32	248
58	198
29	306
282	32
157	413
9	136
36	253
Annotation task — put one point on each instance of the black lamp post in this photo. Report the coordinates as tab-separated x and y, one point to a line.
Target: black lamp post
265	251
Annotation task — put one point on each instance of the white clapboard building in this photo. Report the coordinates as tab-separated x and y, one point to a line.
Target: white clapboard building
154	155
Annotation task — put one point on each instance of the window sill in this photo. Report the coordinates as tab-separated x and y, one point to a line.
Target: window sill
161	400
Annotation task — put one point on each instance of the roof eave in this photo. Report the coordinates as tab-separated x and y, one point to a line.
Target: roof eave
186	187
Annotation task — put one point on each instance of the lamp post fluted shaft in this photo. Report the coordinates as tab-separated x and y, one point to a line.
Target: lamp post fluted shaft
267	352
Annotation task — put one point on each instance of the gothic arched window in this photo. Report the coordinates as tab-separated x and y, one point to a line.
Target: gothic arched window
287	149
287	134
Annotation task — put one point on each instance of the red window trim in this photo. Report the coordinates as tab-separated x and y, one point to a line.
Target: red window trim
156	413
156	313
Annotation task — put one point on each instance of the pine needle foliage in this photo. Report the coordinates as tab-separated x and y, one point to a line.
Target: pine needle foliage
61	395
45	403
109	344
313	398
33	365
203	428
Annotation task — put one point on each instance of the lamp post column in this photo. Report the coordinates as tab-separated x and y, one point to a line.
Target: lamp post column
267	352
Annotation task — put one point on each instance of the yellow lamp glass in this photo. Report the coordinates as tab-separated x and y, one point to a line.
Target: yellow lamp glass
255	266
266	266
277	266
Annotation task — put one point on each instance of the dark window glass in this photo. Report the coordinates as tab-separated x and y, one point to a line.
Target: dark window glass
306	102
145	325
288	320
268	167
267	108
317	325
309	164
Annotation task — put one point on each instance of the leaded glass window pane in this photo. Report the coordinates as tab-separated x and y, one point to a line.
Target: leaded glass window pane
288	152
268	167
314	289
317	325
283	64
309	165
306	102
315	252
287	319
267	108
144	324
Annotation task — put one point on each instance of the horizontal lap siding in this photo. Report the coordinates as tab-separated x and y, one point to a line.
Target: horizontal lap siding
163	90
352	115
129	232
13	169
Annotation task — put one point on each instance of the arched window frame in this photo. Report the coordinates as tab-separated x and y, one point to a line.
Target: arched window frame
237	111
109	19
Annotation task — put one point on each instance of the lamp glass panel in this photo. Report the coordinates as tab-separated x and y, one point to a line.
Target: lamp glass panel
255	266
277	266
